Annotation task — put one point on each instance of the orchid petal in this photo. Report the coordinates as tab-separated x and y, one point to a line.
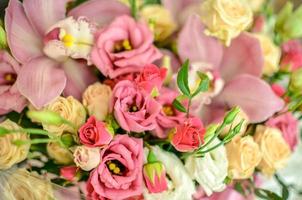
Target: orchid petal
23	41
79	76
44	13
194	45
40	81
253	95
244	56
100	11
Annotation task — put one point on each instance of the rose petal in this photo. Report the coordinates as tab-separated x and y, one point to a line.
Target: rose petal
253	95
40	81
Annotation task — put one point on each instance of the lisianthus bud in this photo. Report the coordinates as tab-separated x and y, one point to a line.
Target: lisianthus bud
45	117
155	175
3	43
296	81
230	117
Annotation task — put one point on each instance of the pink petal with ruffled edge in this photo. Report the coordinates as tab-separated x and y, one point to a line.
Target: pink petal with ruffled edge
194	45
23	41
253	95
44	13
100	11
244	56
79	76
40	81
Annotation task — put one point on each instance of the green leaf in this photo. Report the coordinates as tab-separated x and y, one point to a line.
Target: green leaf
203	84
179	106
148	2
266	194
284	14
133	8
238	187
3	131
182	79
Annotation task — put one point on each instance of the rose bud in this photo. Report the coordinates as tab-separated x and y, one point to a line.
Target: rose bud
69	173
155	175
86	158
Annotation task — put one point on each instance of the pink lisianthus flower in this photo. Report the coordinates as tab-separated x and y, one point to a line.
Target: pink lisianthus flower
152	77
10	97
133	110
47	45
124	46
288	125
168	117
189	135
95	133
119	175
291	55
69	173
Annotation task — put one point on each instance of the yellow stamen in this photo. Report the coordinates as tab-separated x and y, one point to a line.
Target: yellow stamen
168	110
8	77
126	44
134	109
112	166
116	170
68	40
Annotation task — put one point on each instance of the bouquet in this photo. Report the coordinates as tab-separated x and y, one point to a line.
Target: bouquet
148	99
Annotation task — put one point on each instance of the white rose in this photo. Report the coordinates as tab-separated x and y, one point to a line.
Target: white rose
211	170
87	158
181	186
96	99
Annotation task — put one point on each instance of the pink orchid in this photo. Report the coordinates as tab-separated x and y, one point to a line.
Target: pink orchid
10	97
240	66
38	36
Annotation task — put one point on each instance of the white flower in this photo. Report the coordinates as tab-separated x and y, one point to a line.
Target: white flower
87	158
181	186
211	170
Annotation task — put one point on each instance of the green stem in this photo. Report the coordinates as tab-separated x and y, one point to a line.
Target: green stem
188	107
217	132
210	149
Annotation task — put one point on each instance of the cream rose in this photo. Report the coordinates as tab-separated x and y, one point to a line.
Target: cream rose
255	5
24	185
271	54
161	18
86	158
243	155
59	154
70	109
275	151
211	170
181	186
96	99
225	19
11	154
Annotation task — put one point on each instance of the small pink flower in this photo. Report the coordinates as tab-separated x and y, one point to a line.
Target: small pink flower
291	55
259	23
10	97
132	109
119	175
69	173
168	117
123	47
189	135
288	125
151	77
94	133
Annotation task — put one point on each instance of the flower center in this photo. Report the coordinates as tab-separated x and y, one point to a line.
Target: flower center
124	45
133	108
168	110
116	167
10	78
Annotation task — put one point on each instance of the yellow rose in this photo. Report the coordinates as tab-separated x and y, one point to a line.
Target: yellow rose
11	154
70	109
255	5
225	19
271	54
243	155
164	25
96	99
275	151
23	185
59	154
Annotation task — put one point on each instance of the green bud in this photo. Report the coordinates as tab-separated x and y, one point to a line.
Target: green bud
238	127
210	131
3	131
166	63
46	117
3	42
151	157
231	115
67	139
295	84
154	92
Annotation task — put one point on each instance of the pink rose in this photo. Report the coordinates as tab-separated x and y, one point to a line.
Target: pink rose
124	46
151	77
168	117
94	133
189	135
119	175
69	172
291	55
288	125
132	109
10	97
